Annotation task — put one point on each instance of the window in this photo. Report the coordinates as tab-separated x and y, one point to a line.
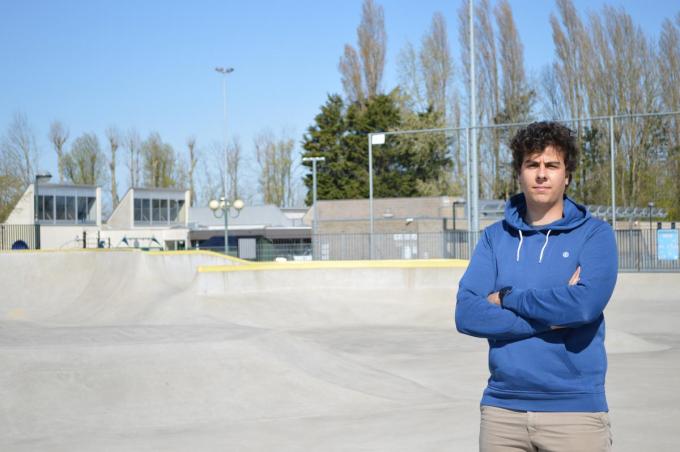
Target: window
82	210
164	210
48	208
143	210
156	203
157	211
146	210
138	210
70	208
61	207
174	211
42	215
91	202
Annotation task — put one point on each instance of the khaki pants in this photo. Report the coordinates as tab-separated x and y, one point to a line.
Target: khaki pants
504	430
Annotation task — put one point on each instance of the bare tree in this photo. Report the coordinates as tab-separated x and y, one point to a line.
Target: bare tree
132	142
553	105
410	79
573	49
19	149
369	61
58	135
113	136
437	64
669	75
218	172
275	160
372	44
159	163
350	69
234	168
503	92
668	62
85	164
516	95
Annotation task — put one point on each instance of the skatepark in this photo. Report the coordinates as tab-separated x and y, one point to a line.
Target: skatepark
175	351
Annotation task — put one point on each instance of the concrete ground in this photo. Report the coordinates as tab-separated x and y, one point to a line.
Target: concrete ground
127	351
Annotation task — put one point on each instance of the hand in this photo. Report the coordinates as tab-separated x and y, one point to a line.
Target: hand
575	277
494	298
572	282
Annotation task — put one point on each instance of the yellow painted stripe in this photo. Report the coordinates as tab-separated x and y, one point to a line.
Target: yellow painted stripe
430	263
201	252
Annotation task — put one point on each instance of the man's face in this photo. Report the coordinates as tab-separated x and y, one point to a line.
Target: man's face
543	177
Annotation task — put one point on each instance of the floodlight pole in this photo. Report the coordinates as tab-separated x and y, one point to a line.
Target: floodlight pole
474	180
225	72
315	227
370	195
612	156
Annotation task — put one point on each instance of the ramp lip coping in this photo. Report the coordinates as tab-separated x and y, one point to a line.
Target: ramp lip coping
331	265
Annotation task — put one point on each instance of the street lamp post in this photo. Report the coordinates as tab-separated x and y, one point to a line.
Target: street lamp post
315	227
221	209
224	72
650	205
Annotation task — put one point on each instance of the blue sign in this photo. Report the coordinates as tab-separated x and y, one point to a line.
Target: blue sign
667	244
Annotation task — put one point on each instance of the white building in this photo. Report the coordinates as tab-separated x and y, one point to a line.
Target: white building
68	215
149	218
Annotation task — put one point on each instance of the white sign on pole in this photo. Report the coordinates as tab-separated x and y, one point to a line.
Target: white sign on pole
378	138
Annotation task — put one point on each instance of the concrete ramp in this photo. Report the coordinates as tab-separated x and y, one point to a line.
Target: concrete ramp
121	351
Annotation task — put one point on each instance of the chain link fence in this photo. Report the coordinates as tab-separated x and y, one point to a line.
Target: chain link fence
638	250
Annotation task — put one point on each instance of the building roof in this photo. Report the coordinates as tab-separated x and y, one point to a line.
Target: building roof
254	216
358	209
159	190
62	185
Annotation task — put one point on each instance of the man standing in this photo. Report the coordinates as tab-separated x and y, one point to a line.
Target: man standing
536	288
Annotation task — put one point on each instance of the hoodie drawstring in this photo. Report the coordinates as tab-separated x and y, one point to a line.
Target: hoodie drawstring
521	239
547	236
519	247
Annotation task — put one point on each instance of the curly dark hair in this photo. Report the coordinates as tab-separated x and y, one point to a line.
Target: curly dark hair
537	136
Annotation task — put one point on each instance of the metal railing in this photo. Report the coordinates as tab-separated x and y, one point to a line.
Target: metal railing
637	249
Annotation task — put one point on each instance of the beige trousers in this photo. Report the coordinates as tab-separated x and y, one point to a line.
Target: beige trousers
504	430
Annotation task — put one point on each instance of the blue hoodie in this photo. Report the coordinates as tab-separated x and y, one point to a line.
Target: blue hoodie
534	367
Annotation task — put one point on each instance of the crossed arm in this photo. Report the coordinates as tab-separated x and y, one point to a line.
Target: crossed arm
495	298
529	312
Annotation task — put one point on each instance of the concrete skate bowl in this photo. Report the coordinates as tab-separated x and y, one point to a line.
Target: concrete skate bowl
93	286
139	351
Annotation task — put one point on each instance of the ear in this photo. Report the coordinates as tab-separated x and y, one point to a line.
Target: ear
566	180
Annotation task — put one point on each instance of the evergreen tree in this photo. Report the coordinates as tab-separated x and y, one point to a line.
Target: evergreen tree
402	167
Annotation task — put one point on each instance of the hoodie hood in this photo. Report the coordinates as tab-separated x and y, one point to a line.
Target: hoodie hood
574	215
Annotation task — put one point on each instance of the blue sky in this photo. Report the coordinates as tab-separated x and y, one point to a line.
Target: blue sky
150	64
